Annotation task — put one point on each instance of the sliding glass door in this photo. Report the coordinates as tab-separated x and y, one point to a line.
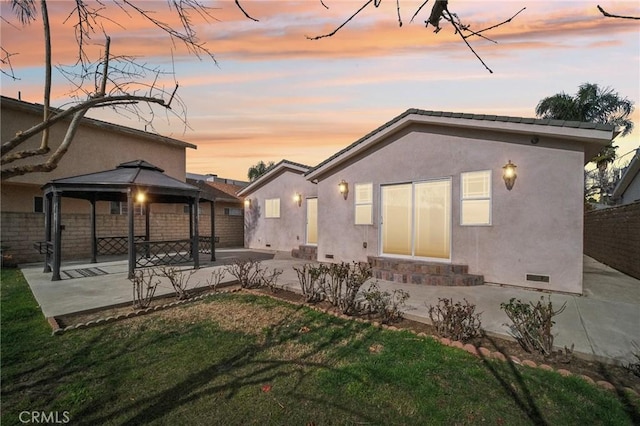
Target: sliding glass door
416	219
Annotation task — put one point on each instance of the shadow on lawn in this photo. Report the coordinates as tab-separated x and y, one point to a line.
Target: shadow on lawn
244	369
526	401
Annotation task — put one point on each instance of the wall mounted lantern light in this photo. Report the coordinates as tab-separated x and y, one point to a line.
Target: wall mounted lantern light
509	174
343	187
298	198
247	202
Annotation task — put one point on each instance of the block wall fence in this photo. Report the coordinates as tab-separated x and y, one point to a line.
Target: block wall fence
612	236
19	231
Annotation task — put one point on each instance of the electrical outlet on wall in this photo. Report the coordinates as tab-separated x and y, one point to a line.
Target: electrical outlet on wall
364	244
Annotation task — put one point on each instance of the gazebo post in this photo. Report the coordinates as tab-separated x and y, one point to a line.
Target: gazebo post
94	237
213	232
47	232
132	247
57	238
195	237
147	228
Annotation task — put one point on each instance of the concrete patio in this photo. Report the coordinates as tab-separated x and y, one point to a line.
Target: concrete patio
603	323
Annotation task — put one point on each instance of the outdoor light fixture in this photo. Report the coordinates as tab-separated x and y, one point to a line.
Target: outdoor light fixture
140	197
509	174
247	202
298	198
343	187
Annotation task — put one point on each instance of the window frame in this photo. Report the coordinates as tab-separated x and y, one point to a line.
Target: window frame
357	204
268	211
488	197
38	200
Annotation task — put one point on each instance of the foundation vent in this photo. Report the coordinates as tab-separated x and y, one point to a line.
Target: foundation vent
538	278
328	256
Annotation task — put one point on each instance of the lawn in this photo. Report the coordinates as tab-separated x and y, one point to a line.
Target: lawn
242	359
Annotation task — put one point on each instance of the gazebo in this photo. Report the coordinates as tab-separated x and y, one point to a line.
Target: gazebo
131	181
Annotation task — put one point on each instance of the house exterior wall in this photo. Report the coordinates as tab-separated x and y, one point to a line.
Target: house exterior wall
93	149
289	230
536	227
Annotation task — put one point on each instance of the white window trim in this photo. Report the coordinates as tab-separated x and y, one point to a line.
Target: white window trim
266	211
489	198
412	256
356	204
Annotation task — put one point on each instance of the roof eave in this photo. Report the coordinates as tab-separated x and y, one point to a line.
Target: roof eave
270	174
592	138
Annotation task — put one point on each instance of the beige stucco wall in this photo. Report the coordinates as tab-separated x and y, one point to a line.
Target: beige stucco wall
289	230
536	228
93	149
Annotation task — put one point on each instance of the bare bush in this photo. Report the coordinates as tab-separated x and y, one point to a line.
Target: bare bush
456	321
386	305
216	278
270	280
248	272
359	273
531	324
179	280
144	287
311	278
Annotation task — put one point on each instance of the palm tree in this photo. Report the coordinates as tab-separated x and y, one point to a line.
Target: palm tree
593	104
258	170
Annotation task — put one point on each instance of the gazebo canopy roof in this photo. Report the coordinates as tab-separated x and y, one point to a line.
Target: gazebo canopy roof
113	185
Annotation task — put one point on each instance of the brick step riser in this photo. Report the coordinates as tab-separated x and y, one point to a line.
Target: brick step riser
462	280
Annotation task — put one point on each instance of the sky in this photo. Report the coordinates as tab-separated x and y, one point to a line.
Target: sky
270	93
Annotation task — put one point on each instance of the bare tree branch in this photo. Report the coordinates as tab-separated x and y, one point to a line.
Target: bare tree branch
5	61
244	11
44	144
451	19
609	15
343	24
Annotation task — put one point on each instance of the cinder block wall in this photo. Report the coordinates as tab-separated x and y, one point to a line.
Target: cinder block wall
612	236
20	231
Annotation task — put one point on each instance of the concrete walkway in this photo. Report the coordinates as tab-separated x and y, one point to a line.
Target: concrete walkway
603	324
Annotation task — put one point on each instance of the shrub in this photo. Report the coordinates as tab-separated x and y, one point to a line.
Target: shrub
248	272
179	280
358	274
311	278
216	278
270	280
455	321
144	287
336	275
385	304
531	324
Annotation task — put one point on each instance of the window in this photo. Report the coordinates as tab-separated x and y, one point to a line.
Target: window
118	207
272	208
233	211
38	205
475	192
416	219
364	203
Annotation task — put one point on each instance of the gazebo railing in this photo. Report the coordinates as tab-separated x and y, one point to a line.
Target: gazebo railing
44	247
152	253
204	244
116	245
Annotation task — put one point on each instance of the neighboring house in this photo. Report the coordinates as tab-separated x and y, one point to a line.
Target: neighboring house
426	196
229	211
97	146
280	208
627	189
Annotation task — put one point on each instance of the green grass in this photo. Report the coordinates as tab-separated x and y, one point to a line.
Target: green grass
211	369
